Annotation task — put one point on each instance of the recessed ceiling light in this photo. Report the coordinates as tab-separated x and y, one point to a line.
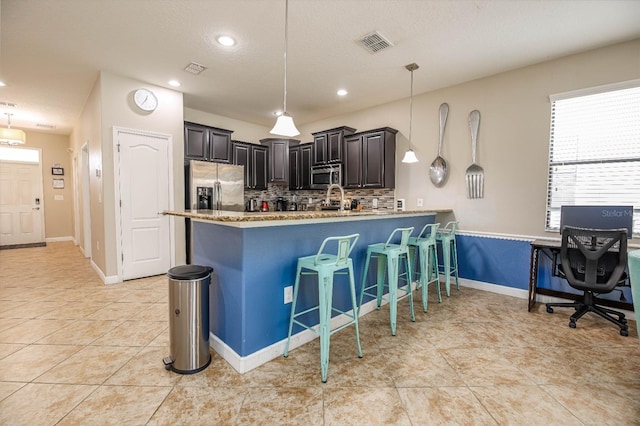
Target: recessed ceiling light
2	84
174	83
226	41
277	113
342	92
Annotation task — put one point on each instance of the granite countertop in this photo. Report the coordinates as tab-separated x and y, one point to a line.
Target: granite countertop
289	217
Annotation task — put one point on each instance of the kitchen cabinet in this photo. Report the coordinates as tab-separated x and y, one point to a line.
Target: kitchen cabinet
254	159
207	143
328	144
300	160
370	159
278	158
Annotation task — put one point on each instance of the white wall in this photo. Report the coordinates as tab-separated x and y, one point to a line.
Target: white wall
513	140
110	105
242	131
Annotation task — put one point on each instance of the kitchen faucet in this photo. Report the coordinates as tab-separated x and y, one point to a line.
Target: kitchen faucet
335	185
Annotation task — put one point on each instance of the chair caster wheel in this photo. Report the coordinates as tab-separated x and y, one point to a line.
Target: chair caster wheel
549	309
624	332
572	324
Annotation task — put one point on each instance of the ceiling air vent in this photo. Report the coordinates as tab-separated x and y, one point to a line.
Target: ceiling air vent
195	68
374	42
45	126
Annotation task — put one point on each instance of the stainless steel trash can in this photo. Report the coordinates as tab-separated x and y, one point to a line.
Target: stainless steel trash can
188	319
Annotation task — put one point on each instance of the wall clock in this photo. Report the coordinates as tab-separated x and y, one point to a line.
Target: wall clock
145	100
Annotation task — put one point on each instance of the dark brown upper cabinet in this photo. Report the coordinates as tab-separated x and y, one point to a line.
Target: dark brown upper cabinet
207	143
370	159
328	144
278	158
300	160
254	159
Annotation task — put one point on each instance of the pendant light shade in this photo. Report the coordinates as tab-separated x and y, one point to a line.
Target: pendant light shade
284	124
11	136
410	156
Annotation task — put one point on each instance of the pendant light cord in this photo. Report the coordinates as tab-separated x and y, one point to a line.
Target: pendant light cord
286	43
411	110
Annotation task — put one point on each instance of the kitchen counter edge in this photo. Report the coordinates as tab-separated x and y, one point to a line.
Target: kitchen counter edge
251	220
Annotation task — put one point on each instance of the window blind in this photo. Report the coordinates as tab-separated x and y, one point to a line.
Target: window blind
594	152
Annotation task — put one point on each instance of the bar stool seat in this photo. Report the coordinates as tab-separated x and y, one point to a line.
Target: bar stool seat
425	245
392	254
447	238
325	265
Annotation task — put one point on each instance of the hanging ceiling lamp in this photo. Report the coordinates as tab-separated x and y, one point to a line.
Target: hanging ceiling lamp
284	124
410	156
11	136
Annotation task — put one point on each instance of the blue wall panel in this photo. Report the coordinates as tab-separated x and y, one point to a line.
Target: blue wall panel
252	266
493	260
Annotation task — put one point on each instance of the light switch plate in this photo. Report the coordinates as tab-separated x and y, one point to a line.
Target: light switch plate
288	294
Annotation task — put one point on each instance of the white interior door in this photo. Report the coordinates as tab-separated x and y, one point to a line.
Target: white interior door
21	203
144	194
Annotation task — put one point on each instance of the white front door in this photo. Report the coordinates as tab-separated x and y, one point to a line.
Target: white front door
144	194
21	203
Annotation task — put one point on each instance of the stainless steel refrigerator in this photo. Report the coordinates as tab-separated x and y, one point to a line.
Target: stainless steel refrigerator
212	186
215	186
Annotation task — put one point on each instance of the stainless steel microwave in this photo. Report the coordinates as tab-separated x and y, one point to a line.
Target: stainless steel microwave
324	175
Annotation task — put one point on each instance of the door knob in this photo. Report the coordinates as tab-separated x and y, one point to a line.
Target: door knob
36	208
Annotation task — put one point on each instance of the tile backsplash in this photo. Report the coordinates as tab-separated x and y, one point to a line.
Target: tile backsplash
385	196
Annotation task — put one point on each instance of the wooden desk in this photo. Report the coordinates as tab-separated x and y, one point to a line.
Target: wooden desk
551	249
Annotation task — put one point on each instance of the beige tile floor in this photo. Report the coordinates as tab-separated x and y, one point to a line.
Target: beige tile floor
76	352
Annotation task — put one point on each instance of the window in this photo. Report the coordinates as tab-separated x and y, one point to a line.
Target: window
22	155
594	150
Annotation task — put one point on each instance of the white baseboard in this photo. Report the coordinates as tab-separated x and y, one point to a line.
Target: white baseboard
58	239
494	288
113	279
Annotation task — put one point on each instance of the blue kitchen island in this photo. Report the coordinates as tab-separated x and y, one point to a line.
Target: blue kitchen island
254	255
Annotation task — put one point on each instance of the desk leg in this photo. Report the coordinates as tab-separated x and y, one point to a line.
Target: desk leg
533	276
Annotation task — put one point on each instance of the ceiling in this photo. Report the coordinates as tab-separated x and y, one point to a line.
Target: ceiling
52	51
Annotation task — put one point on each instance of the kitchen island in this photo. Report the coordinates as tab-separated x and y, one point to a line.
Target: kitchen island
254	255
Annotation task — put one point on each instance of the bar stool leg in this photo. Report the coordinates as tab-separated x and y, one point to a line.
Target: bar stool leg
455	260
325	299
296	285
408	271
354	306
433	270
425	275
364	279
446	257
393	291
382	272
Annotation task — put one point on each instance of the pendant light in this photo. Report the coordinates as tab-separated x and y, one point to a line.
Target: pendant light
11	136
284	124
410	156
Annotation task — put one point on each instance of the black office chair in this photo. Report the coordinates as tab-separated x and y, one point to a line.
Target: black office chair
594	261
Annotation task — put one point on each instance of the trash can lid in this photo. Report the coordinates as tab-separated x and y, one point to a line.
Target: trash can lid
189	272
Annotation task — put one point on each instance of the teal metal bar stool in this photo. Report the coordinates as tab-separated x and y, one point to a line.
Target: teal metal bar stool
447	238
391	267
325	265
425	245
